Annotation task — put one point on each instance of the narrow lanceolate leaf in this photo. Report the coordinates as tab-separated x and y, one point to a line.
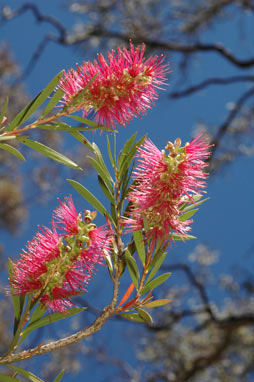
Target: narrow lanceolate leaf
135	317
132	267
127	294
93	125
100	160
7	378
37	313
60	126
126	148
12	150
109	265
49	319
175	237
87	195
105	190
155	303
34	104
144	315
3	112
59	377
193	205
80	137
126	162
53	101
187	215
7	138
109	152
159	260
156	282
26	374
48	152
138	238
102	171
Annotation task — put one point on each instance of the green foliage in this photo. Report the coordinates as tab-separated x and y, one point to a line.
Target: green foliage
138	238
156	282
27	374
144	315
156	303
49	319
59	377
12	150
87	195
132	267
34	104
48	152
156	264
7	378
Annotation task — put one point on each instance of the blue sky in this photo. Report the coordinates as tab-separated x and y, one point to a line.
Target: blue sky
225	221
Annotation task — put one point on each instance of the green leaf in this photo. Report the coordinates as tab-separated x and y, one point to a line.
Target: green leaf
88	122
58	94
173	236
80	137
87	195
50	318
191	206
48	152
157	265
2	115
127	160
7	138
105	190
101	161
126	148
34	104
26	374
109	264
59	377
132	267
12	150
109	152
18	324
37	313
187	215
60	126
132	317
155	303
144	315
104	174
156	282
138	238
7	378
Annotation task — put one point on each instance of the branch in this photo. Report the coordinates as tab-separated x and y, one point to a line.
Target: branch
208	82
232	115
198	285
8	14
76	337
203	362
64	39
172	46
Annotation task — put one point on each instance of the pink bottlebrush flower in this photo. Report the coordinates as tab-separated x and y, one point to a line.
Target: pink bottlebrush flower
163	183
99	238
67	217
27	273
56	268
124	87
